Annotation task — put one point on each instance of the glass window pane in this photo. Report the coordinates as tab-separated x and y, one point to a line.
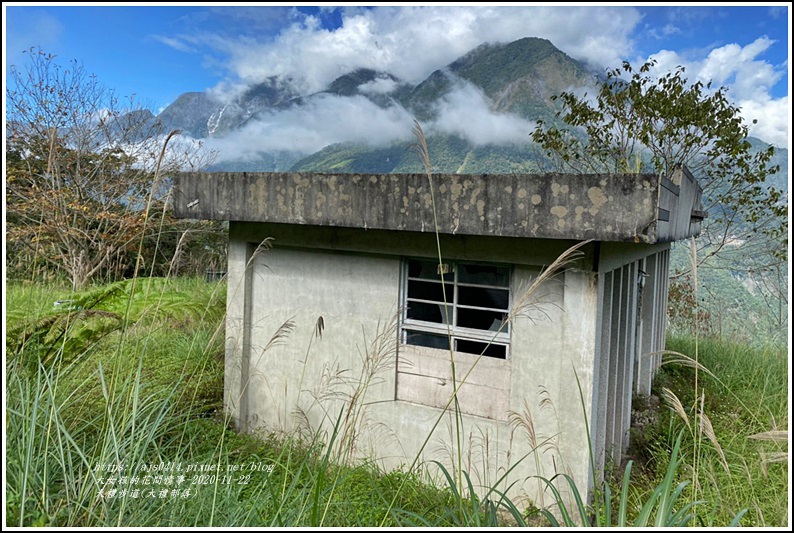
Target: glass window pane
481	348
478	298
426	270
430	290
484	275
482	297
485	320
429	312
420	338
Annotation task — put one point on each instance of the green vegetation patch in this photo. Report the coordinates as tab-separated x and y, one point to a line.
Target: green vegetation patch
731	402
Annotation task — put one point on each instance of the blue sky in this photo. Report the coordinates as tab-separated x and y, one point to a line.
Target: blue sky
158	52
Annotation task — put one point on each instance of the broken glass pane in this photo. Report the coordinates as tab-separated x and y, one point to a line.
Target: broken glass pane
479	319
429	312
426	270
482	297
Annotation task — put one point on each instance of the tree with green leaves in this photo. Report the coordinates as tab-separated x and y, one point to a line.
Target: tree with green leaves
648	124
86	177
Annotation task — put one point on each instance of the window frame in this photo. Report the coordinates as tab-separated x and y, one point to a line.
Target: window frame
490	337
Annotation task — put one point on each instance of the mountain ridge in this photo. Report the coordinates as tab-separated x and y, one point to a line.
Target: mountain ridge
483	67
516	80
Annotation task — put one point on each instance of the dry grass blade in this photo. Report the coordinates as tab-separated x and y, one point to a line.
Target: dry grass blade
708	429
281	334
675	404
421	147
774	435
563	260
319	327
524	420
150	200
671	357
769	458
546	403
263	246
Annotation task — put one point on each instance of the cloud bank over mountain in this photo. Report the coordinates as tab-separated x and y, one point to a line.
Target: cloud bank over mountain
466	112
410	42
326	119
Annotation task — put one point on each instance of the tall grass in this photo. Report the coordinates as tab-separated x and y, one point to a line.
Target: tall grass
742	410
87	404
93	413
75	401
726	397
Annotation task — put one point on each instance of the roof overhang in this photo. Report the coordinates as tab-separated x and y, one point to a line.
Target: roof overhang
605	207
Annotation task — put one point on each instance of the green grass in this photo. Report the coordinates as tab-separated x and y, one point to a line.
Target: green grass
91	390
743	392
717	457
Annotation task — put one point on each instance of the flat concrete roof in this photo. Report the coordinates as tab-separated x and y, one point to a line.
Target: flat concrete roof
641	208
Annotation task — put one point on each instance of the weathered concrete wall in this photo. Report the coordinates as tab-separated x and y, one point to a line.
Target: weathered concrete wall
555	206
557	340
357	296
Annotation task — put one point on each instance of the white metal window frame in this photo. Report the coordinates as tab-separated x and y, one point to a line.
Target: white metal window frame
501	337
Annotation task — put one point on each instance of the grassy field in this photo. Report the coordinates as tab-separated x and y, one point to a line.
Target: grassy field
123	383
733	409
104	389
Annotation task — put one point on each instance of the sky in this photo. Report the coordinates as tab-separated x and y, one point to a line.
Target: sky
155	52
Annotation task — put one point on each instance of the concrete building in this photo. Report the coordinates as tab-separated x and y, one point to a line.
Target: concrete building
336	311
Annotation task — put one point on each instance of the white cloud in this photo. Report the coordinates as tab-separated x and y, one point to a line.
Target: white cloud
327	119
413	41
227	91
737	64
748	80
466	112
324	120
175	43
380	85
773	116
